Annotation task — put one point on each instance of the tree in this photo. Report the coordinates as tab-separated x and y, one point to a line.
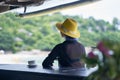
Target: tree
6	41
115	22
41	33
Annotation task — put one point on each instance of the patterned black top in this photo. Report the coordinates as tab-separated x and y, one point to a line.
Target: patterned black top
67	53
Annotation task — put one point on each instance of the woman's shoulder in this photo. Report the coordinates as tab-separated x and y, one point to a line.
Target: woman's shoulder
60	44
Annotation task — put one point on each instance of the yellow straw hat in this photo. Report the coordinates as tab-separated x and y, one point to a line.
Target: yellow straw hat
69	28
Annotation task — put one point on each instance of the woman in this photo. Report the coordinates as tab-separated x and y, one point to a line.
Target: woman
69	52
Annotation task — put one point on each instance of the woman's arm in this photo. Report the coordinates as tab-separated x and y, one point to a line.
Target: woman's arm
48	62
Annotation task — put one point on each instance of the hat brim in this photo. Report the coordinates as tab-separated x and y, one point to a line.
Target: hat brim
75	35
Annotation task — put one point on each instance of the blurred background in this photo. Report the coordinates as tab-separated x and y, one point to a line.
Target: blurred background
24	39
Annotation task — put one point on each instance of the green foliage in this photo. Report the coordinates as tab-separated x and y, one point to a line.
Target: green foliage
18	34
6	41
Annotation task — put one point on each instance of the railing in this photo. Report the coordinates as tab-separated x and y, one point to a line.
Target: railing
22	72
